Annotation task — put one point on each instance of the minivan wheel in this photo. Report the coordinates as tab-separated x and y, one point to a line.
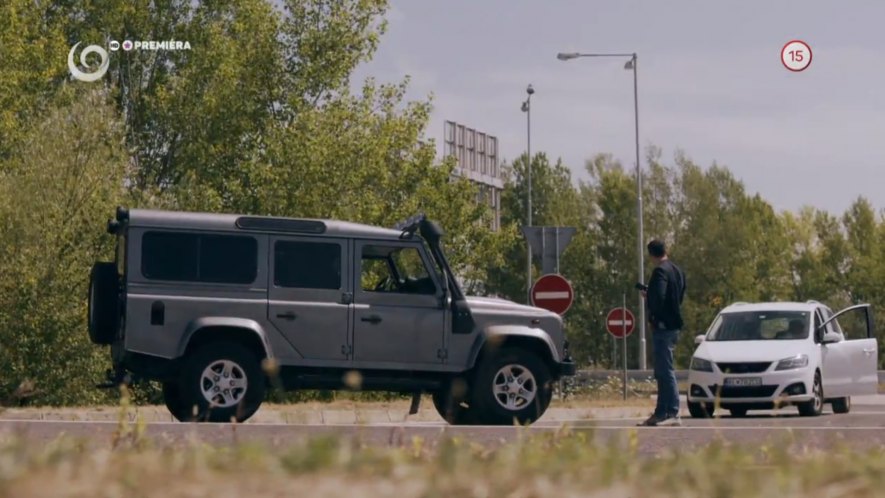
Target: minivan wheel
815	406
223	381
511	386
842	405
104	303
701	410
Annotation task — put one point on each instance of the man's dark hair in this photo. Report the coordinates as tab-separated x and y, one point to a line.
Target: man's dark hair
657	248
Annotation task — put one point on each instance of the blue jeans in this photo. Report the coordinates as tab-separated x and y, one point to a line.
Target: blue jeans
668	394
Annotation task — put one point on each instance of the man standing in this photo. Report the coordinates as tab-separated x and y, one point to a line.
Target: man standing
664	295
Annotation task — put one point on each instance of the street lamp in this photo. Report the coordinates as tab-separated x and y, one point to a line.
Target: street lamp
630	66
527	109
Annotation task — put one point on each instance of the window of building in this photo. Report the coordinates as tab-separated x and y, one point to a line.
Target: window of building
188	257
307	265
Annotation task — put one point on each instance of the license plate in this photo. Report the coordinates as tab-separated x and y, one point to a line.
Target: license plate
743	381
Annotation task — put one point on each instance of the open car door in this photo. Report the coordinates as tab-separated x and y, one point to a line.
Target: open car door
849	335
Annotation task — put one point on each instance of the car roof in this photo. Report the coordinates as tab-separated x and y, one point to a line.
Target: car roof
182	220
772	306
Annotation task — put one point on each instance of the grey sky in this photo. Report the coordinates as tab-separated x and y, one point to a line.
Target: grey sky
710	83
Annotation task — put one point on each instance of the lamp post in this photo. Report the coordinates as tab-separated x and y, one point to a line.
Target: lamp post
527	109
630	65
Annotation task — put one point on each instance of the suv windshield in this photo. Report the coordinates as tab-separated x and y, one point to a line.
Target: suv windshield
760	326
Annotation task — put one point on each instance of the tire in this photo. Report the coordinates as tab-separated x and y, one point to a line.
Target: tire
842	405
701	410
815	406
738	412
104	303
241	383
523	390
452	411
173	402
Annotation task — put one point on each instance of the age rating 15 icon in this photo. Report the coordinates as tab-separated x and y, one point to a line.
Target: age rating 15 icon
796	55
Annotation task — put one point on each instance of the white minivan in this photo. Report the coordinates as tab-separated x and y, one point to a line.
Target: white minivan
768	355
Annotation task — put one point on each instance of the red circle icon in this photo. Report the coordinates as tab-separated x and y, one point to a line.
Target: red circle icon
796	55
553	293
620	321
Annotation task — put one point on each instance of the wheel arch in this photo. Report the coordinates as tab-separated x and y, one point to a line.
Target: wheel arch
517	336
246	332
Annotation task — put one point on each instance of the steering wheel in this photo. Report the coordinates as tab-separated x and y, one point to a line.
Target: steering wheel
385	285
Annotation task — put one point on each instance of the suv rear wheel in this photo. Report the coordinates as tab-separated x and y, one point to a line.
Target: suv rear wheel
223	381
511	385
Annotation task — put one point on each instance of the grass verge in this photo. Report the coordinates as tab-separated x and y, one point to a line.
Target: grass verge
554	464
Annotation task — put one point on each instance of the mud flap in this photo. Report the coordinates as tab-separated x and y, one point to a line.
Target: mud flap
416	402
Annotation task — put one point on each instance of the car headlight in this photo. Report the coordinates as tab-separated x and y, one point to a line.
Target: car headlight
701	365
797	361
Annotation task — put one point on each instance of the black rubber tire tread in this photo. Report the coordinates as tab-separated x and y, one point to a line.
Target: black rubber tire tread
173	402
451	406
701	410
841	405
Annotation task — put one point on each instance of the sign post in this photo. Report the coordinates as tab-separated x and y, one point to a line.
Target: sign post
624	329
620	323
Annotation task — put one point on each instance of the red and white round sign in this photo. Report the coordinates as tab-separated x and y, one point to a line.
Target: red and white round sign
796	55
553	293
619	321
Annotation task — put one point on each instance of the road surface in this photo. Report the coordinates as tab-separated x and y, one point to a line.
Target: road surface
863	428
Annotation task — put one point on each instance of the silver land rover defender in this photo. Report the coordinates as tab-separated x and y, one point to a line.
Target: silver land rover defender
220	307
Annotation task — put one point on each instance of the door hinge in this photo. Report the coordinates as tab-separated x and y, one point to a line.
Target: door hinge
442	354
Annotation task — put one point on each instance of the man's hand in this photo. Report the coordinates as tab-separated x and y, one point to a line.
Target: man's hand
644	294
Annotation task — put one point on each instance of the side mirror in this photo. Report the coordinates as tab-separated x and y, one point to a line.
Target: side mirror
830	338
699	339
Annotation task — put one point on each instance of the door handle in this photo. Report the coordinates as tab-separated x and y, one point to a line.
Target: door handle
373	319
869	351
287	315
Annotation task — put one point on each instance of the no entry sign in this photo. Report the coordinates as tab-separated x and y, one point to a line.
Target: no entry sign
553	292
618	321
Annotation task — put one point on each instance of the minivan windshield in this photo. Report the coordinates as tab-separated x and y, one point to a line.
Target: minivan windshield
760	326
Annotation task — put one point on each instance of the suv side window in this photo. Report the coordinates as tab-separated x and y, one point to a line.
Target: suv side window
189	257
395	269
307	265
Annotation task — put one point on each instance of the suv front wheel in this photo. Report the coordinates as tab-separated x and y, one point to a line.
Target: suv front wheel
511	386
223	381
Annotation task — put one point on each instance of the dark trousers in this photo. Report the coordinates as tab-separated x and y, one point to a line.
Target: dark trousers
664	342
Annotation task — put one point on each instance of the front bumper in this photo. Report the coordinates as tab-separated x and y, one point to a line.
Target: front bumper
778	388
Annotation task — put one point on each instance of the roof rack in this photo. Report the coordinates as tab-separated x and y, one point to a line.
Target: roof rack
738	303
280	224
812	301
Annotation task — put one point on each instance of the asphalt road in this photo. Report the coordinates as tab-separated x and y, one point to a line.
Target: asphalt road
863	428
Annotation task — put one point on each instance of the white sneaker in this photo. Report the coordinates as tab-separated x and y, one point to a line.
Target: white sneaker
671	421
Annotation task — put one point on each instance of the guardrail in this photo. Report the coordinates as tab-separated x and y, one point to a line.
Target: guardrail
639	375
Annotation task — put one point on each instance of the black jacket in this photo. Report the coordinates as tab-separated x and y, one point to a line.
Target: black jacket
666	289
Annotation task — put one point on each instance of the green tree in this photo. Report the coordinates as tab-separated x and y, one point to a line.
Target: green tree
64	176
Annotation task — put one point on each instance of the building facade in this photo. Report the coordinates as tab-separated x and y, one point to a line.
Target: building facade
476	156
